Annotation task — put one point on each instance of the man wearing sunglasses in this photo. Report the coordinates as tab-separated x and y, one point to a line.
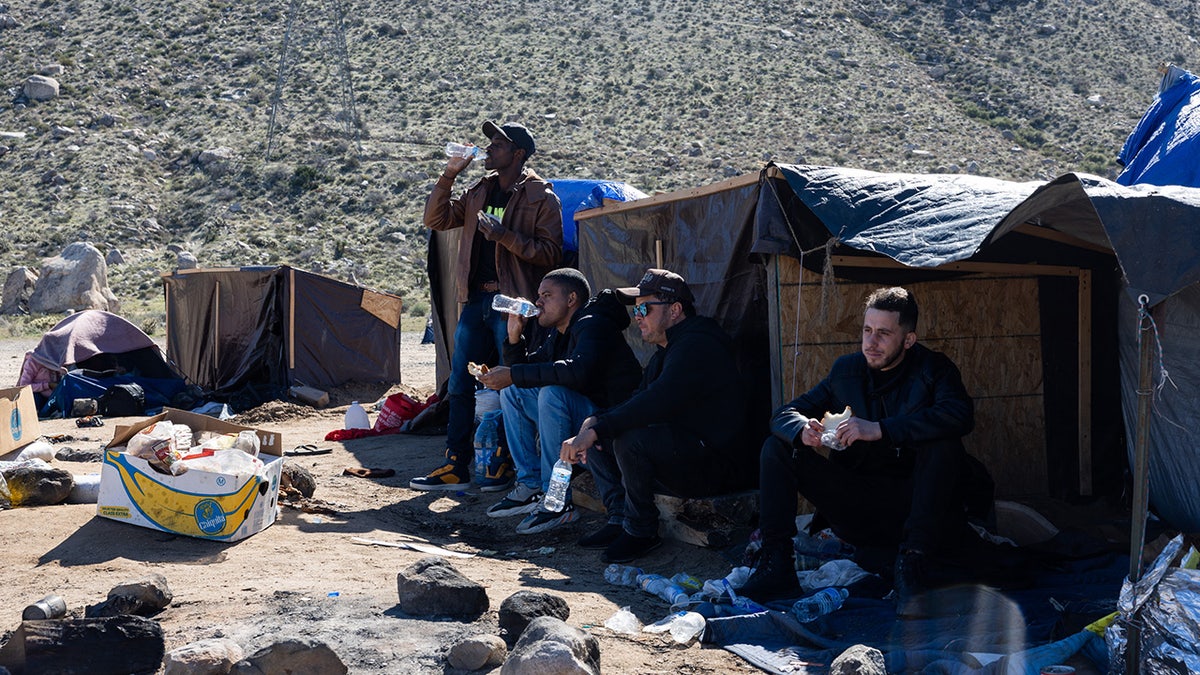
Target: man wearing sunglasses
511	237
582	366
682	431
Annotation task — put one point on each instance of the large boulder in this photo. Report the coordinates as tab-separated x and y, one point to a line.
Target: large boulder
41	88
37	484
550	647
301	655
18	288
433	587
204	657
521	607
77	279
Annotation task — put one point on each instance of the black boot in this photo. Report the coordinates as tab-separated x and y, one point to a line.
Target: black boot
775	576
910	584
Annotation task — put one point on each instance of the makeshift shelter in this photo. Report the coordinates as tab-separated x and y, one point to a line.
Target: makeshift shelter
263	329
88	352
574	193
1030	287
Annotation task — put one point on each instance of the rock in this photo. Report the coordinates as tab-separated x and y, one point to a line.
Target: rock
184	260
433	587
5	495
17	289
75	280
859	660
114	257
301	655
149	155
53	177
204	657
7	21
122	644
295	476
41	88
50	69
1095	99
38	484
214	156
938	72
521	607
550	647
62	132
477	651
143	597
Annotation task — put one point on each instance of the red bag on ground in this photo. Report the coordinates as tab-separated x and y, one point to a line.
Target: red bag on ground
398	409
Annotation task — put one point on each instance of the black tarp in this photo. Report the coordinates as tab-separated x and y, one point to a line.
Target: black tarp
273	327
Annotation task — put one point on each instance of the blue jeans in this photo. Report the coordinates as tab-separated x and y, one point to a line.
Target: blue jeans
480	335
536	421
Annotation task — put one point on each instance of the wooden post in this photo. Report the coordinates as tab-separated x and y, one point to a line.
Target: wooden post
1141	467
1085	382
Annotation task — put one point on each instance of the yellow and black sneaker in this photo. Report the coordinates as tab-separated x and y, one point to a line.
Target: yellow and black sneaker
449	476
500	473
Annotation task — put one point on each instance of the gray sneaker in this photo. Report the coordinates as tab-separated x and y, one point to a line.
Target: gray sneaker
542	520
521	499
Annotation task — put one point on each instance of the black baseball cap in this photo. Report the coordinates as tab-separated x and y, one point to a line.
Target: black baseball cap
515	133
658	282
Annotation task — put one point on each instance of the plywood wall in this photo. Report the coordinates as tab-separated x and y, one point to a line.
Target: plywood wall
987	324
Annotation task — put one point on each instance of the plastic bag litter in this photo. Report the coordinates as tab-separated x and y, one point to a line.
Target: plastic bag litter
38	449
839	573
624	622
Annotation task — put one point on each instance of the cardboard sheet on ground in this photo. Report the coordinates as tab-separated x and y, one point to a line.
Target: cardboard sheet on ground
419	546
982	621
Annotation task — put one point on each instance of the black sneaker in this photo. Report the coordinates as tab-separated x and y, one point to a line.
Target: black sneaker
542	520
627	547
519	500
449	476
602	537
774	578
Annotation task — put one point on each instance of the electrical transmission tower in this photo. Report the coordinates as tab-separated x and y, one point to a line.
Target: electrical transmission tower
288	60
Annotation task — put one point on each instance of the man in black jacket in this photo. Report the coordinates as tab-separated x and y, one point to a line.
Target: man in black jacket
583	365
683	428
900	483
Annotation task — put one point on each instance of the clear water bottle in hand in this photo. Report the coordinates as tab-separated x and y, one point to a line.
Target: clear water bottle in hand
622	575
556	494
460	150
824	601
519	306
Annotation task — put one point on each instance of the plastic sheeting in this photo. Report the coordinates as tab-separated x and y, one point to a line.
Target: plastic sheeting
577	194
1163	147
1165	603
277	326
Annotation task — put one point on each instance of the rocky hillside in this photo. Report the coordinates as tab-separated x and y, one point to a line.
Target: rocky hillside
161	132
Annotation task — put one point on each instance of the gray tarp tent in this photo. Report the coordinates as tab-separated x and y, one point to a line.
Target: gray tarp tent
1064	259
273	327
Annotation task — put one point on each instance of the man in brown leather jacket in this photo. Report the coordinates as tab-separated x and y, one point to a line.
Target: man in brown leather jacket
508	253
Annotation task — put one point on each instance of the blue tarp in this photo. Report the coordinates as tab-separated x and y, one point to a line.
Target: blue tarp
1163	148
577	194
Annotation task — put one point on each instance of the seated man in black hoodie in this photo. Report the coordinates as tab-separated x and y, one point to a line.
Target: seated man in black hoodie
583	365
682	429
897	481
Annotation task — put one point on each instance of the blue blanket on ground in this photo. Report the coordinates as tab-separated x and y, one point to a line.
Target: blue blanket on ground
972	621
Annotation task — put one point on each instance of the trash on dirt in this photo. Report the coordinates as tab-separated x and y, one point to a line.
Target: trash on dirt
624	622
419	546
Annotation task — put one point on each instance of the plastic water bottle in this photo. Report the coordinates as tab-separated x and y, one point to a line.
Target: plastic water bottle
819	604
356	417
657	584
520	306
683	626
459	150
560	480
622	575
487	437
687	582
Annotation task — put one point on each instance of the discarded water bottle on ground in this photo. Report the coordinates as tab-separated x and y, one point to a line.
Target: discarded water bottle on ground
356	417
683	626
556	494
736	578
459	150
657	584
819	604
519	306
622	575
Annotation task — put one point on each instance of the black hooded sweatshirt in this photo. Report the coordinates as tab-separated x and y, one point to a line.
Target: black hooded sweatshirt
592	357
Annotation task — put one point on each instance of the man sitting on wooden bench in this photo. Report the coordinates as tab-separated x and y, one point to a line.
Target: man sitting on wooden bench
684	428
897	477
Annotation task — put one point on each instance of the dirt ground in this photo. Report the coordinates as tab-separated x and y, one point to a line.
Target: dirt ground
306	577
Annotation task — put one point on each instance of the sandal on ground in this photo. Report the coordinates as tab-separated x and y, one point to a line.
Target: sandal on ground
306	450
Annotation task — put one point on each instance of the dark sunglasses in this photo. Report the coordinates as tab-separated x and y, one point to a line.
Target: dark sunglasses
643	309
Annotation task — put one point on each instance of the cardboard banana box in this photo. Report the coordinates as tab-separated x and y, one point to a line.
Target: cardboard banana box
203	504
